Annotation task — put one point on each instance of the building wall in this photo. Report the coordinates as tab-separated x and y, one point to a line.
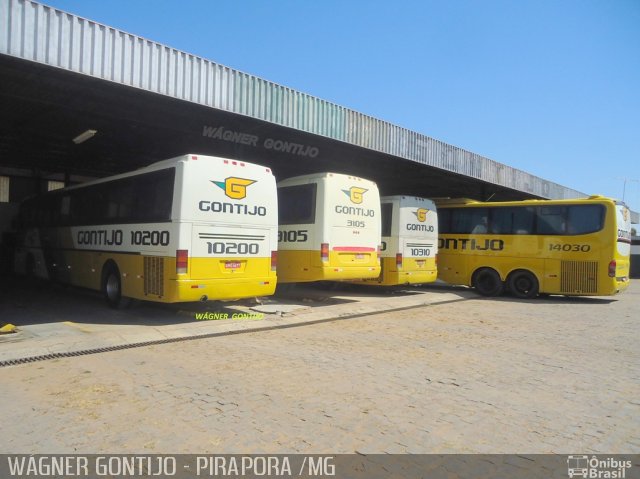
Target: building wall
38	33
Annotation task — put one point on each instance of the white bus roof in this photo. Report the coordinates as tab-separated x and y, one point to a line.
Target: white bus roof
404	197
318	176
158	165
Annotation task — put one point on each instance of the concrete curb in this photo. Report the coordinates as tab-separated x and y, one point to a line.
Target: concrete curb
32	348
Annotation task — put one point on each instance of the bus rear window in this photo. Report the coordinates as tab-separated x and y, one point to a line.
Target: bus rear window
386	213
297	204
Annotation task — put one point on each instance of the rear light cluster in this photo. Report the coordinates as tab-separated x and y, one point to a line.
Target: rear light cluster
274	260
612	268
182	261
237	163
398	260
324	251
234	163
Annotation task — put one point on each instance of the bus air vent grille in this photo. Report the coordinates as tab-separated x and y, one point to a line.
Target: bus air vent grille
579	277
153	275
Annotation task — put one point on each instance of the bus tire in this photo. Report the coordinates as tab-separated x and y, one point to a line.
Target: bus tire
112	287
487	282
523	284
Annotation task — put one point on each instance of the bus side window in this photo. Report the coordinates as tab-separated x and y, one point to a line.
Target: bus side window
143	200
153	196
583	219
551	220
125	201
501	221
164	181
386	212
516	220
88	206
119	202
444	221
469	220
523	220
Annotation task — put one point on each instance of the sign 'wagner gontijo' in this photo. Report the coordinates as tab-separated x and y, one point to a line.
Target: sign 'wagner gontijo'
243	138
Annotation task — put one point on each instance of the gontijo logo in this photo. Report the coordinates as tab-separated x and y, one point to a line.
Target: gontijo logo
234	187
355	194
421	214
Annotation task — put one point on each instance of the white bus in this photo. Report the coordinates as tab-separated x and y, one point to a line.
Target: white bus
329	228
409	241
186	229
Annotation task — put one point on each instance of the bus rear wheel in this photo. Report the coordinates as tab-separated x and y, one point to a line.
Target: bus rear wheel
112	288
487	282
523	284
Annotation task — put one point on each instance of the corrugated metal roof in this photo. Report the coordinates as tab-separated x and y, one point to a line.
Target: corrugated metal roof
36	32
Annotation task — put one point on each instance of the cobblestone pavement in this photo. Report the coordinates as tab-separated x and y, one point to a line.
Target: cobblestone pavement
481	375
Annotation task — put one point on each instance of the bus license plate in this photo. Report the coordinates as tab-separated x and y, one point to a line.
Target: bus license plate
359	256
420	263
232	264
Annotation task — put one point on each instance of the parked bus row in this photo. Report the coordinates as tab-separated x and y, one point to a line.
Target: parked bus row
198	227
205	228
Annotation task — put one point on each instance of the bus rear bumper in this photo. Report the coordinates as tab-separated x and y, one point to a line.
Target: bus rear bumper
222	289
621	284
331	273
393	278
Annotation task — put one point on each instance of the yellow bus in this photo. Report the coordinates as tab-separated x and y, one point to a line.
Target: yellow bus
409	241
329	228
568	247
186	229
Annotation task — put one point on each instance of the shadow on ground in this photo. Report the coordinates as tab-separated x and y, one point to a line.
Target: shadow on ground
23	303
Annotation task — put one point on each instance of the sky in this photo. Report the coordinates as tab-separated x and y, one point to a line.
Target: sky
547	86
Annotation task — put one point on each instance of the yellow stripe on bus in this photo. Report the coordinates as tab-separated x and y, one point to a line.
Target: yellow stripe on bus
306	265
413	271
245	278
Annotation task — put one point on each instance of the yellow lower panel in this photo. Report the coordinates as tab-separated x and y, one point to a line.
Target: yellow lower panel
459	268
621	286
413	271
206	276
304	266
220	279
220	289
623	271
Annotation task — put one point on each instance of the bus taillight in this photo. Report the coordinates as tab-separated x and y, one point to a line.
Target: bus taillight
274	260
612	268
379	253
398	260
324	251
182	260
